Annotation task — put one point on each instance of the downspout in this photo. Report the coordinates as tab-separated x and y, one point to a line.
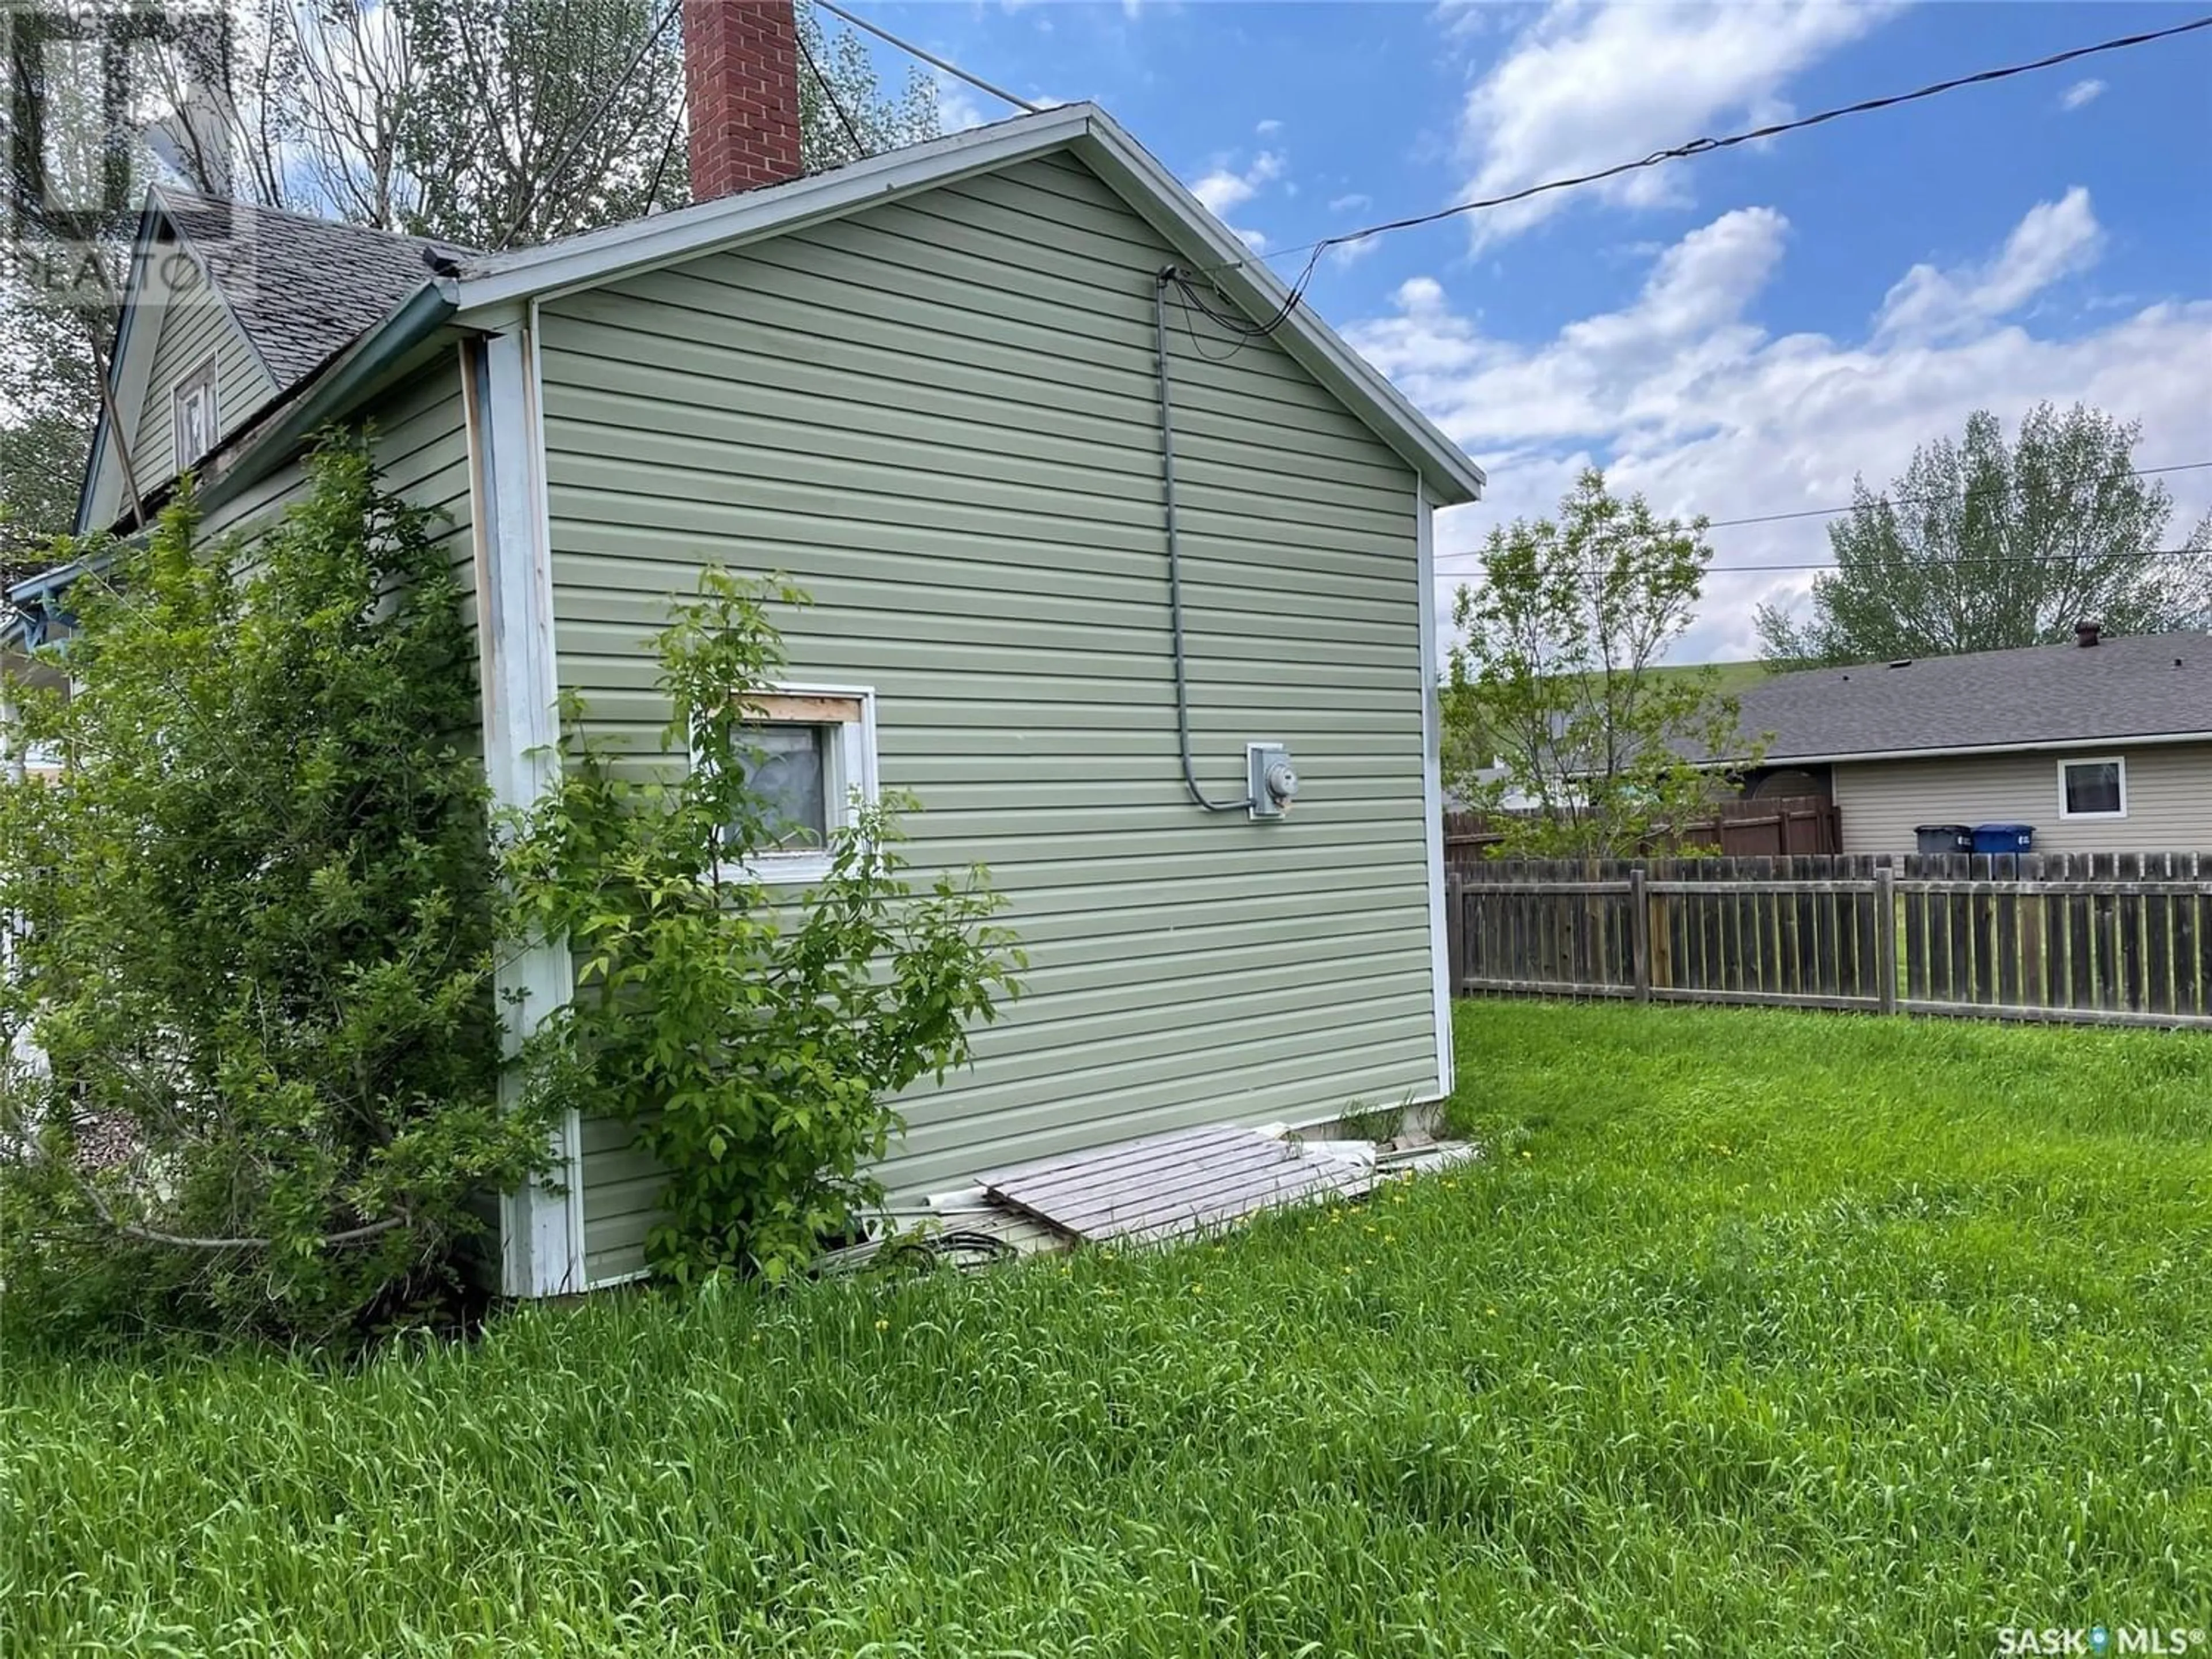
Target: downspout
1175	551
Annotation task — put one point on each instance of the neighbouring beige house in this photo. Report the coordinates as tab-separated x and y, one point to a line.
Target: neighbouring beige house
2103	745
1083	562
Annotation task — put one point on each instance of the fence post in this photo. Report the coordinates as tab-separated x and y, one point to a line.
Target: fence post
1884	936
1639	933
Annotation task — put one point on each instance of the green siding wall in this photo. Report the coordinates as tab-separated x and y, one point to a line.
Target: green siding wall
422	447
939	418
193	325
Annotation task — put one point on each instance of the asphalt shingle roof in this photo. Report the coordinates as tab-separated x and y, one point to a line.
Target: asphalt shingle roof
303	288
2155	684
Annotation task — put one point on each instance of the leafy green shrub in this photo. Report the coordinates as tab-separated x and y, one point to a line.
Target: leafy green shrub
755	1043
258	928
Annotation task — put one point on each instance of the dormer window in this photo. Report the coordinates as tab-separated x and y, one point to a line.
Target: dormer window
195	414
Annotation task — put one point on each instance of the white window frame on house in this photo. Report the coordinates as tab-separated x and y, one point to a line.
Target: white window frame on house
200	383
2119	763
848	780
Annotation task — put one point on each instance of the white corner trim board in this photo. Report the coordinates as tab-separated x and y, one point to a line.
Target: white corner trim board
1432	786
542	1224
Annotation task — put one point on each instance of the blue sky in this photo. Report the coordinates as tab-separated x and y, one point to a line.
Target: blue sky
1738	334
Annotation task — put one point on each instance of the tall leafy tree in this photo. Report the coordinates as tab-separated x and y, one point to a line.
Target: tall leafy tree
1556	703
1985	545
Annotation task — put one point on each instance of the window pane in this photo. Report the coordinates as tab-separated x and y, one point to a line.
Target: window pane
2093	787
788	775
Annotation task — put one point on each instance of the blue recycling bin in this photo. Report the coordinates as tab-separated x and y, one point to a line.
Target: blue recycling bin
2004	837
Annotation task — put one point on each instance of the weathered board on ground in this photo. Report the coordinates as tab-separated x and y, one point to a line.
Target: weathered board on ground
1173	1186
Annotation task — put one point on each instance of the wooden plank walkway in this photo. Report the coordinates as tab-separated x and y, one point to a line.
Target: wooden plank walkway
1173	1186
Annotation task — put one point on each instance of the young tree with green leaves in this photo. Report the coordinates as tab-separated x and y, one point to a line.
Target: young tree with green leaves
1988	545
254	940
1559	723
756	1038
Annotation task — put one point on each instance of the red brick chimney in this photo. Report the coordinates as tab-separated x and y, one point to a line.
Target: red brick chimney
741	80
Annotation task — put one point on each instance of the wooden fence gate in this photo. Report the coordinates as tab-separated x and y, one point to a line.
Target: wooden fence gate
2121	938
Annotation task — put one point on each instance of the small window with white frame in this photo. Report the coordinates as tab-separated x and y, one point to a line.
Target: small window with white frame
195	414
810	759
2094	788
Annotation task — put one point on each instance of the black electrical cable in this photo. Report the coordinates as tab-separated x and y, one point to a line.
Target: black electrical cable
1963	559
1896	502
574	137
1175	550
860	148
1682	152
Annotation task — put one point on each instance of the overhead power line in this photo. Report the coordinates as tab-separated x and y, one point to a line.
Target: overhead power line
859	147
1968	559
1911	501
573	140
1314	249
931	59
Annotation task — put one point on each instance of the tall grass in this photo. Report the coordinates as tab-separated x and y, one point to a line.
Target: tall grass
1756	1334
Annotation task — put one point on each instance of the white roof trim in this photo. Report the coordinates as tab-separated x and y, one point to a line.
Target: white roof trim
1091	135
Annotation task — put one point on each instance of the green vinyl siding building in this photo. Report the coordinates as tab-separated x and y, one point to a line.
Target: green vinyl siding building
940	419
927	388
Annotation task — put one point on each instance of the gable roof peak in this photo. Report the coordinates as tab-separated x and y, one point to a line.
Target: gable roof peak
302	288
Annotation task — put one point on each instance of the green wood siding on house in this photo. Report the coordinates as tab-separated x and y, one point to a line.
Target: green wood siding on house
194	325
940	418
420	446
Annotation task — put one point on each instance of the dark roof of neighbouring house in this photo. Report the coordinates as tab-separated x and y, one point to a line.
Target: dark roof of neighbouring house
2152	686
302	289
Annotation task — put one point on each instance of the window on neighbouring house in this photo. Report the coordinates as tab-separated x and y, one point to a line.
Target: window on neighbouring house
813	752
2092	788
195	414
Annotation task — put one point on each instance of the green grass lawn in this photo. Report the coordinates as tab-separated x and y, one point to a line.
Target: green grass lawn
1757	1334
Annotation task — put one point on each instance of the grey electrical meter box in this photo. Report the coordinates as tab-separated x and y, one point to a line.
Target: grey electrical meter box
1274	784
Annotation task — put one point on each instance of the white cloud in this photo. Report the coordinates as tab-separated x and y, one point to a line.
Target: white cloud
2080	92
958	109
2056	239
1683	396
1254	239
1586	87
1224	189
1351	203
1269	128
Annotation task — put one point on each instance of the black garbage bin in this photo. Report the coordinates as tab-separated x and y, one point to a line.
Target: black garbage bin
1945	837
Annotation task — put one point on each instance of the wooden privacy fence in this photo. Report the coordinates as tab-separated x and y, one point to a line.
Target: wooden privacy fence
1786	825
2121	939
